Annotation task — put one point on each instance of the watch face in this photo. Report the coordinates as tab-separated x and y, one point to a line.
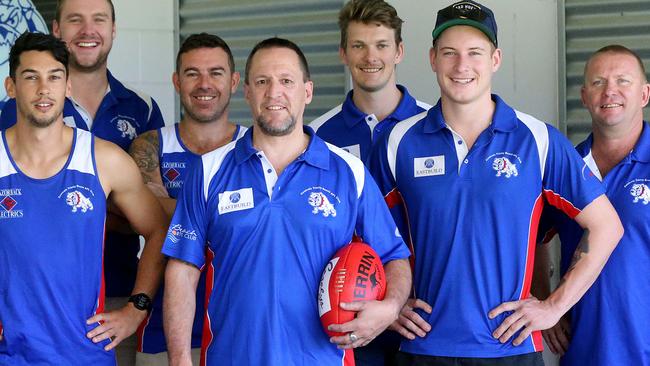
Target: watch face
141	301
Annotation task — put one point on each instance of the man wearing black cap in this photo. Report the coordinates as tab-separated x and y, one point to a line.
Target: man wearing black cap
473	175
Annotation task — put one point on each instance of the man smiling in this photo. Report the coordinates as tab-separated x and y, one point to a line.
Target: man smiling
371	47
246	215
474	174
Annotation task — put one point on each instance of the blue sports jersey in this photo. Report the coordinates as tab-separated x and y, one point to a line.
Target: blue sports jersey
354	131
270	238
617	306
51	261
176	161
473	218
121	116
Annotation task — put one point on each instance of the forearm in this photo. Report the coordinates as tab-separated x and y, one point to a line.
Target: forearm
590	257
398	283
179	305
151	266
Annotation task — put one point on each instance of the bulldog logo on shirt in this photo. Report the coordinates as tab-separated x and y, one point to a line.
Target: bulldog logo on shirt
504	166
320	203
126	128
78	201
640	192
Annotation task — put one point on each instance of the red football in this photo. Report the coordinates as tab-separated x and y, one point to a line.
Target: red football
355	273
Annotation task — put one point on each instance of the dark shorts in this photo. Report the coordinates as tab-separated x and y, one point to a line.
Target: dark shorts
528	359
382	351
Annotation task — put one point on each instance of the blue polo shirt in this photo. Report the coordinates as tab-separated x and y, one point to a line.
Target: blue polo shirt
354	131
176	161
617	306
270	238
473	218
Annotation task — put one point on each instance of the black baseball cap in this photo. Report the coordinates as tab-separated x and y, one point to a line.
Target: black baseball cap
467	12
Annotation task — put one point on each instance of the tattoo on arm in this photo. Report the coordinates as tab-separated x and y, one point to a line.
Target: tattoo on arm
144	151
581	251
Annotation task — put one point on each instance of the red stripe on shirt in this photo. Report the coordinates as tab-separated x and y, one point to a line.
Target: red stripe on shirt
348	358
207	337
393	198
530	263
561	203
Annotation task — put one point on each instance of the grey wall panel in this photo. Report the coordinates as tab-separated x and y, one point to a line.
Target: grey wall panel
310	24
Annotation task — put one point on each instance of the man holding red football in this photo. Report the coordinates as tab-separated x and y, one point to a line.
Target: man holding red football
264	215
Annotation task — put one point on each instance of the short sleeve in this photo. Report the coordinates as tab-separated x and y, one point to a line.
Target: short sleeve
568	182
186	236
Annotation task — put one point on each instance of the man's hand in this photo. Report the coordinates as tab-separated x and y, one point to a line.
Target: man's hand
528	315
410	324
116	325
373	317
559	336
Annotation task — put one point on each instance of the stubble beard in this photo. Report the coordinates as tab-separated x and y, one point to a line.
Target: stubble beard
218	113
286	128
101	61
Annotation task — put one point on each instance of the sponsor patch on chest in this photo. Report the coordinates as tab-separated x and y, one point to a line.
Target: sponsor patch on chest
429	166
9	208
231	201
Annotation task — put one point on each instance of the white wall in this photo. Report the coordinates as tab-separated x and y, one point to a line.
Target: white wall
143	52
527	34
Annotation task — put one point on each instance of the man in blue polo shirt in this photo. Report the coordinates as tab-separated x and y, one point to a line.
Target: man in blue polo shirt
371	47
474	175
104	106
270	210
609	325
205	78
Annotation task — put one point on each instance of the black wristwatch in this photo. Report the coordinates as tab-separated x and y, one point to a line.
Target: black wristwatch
141	301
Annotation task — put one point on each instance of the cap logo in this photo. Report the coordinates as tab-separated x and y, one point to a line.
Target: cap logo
465	7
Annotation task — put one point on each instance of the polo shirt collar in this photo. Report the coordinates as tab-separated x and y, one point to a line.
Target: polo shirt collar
641	151
316	154
503	120
352	115
117	89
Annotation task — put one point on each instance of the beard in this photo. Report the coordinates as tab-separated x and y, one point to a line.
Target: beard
88	68
203	118
42	122
284	129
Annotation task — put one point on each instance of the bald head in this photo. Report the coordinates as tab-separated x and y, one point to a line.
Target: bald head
616	49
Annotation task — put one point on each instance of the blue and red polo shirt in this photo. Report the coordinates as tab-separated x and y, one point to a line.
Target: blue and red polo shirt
270	237
473	216
616	307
